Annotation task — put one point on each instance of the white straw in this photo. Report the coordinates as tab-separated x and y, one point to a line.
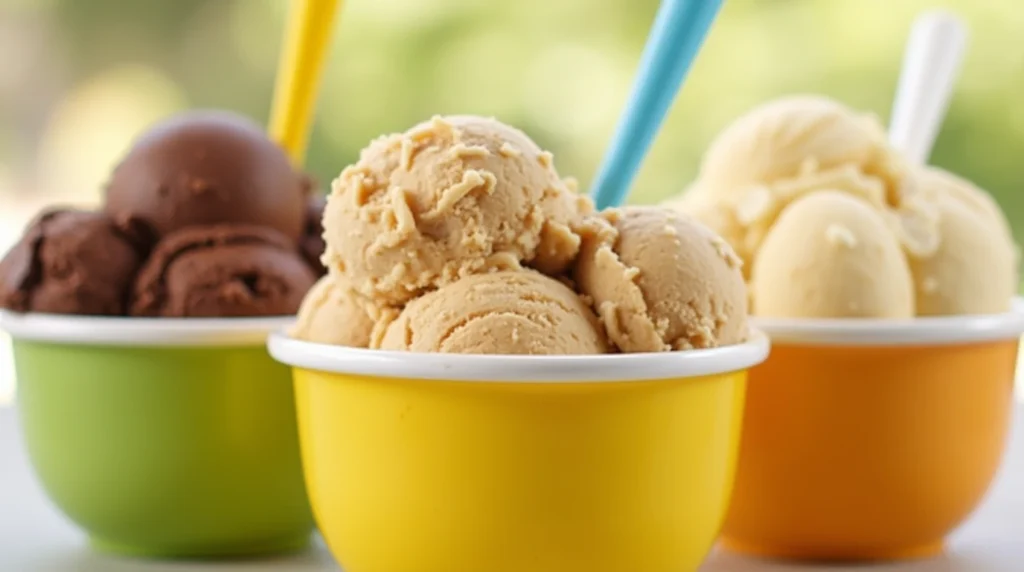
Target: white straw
931	63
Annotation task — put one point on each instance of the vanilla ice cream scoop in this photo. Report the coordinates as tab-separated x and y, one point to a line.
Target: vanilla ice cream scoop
933	181
974	268
662	281
745	218
448	198
792	137
334	313
831	255
520	312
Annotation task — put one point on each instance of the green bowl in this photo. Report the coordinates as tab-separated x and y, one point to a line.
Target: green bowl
163	438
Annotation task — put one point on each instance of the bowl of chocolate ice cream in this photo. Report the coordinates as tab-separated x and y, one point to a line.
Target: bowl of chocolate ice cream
153	416
492	376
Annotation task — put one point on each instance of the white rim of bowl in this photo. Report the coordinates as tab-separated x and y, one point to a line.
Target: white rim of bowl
924	331
518	368
140	332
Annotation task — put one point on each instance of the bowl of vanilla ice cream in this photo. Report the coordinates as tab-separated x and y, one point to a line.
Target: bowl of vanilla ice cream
888	290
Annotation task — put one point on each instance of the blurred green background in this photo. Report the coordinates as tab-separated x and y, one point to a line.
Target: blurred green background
79	78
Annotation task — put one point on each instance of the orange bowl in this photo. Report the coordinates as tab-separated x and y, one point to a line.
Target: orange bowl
871	440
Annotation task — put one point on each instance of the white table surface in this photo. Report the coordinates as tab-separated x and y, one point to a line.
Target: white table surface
36	538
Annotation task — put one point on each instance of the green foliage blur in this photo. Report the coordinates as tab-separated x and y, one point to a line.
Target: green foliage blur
87	74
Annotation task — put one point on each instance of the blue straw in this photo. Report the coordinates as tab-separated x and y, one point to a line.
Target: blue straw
676	36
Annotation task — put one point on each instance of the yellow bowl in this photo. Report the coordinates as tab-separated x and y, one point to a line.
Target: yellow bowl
452	463
871	440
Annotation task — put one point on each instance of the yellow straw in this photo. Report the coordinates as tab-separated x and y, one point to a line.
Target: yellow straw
303	54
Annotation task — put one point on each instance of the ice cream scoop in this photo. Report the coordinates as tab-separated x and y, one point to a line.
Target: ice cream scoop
745	218
522	312
662	281
973	270
334	313
783	150
794	136
74	262
932	182
222	271
446	199
204	168
831	255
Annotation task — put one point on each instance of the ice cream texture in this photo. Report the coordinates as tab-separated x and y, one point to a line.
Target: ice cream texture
222	271
974	267
511	312
781	154
661	281
830	255
74	262
237	225
334	313
448	198
793	137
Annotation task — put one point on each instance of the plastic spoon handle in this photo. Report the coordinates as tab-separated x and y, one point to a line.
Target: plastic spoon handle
930	65
677	34
303	55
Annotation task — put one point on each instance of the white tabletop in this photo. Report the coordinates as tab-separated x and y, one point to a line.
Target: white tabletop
35	538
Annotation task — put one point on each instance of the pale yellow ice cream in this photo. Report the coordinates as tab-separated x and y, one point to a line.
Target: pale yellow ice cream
334	313
759	177
449	198
794	137
932	182
831	255
781	151
744	220
518	312
662	281
974	269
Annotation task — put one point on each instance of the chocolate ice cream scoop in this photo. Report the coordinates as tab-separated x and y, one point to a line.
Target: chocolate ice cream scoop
209	167
74	262
222	271
312	242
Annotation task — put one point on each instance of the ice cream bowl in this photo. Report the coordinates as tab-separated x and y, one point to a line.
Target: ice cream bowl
419	462
871	439
167	438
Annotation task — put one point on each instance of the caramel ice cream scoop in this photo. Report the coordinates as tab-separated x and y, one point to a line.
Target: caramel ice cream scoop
519	312
334	313
662	281
447	199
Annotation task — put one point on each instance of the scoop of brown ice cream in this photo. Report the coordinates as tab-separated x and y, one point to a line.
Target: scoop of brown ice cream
205	168
312	242
222	271
73	262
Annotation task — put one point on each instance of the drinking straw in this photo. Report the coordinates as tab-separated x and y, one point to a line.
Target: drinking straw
304	51
679	29
931	62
